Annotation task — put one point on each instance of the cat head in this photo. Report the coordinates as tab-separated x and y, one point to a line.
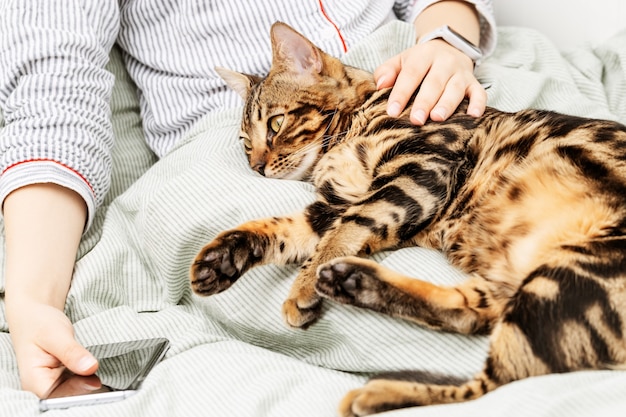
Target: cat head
298	111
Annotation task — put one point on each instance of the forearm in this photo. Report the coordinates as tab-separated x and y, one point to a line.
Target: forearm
43	225
459	15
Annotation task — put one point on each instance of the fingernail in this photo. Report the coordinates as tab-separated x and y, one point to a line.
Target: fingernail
440	112
472	111
394	109
419	117
380	82
86	363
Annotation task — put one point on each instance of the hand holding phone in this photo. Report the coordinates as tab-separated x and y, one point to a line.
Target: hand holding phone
122	368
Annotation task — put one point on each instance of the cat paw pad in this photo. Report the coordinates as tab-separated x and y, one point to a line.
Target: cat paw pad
220	263
347	280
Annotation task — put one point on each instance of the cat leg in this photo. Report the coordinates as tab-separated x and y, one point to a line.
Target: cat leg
510	358
467	308
278	240
559	320
303	305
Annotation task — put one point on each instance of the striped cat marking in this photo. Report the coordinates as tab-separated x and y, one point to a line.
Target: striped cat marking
530	205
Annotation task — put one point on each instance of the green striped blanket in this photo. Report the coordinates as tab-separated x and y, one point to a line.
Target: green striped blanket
231	355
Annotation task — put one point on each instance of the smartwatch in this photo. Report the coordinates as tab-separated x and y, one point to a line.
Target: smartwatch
455	39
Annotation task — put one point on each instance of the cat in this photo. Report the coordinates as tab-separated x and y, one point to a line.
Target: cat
530	205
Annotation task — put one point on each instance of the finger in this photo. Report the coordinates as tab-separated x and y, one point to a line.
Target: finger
78	359
429	94
477	99
70	353
39	381
41	374
88	383
451	97
408	80
385	75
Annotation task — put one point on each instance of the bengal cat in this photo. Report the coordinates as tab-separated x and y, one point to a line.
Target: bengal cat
530	205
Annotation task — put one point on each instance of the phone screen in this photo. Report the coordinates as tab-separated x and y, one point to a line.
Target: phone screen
122	368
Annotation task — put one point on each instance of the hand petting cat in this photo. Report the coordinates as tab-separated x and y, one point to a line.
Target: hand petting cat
443	73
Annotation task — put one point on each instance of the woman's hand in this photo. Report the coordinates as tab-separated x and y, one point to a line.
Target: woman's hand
43	339
444	76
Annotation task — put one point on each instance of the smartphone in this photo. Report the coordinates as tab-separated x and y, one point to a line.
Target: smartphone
122	368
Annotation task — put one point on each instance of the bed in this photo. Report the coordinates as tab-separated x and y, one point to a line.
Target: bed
231	354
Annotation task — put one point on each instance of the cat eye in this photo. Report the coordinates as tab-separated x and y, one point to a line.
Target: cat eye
247	143
276	122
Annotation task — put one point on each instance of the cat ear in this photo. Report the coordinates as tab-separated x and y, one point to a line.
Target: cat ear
241	83
294	52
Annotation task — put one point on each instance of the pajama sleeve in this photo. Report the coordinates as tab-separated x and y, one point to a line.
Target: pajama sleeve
55	94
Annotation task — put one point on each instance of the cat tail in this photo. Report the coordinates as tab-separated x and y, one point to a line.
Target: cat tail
402	389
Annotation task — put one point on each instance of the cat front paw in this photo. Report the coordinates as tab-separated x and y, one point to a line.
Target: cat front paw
222	262
351	280
303	306
301	314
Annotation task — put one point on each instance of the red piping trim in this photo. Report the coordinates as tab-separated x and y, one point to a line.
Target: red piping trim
343	41
56	162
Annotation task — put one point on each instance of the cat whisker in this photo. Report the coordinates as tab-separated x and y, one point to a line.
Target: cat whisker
324	139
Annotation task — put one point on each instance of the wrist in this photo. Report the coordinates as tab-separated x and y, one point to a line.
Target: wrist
23	314
454	39
460	15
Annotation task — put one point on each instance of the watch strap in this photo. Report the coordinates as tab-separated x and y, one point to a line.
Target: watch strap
456	40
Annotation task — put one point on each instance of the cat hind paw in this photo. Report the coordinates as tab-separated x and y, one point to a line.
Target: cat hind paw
348	280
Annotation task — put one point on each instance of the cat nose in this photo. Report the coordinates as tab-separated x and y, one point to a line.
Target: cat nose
259	167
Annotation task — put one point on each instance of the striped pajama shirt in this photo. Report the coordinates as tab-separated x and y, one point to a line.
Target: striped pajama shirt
55	90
